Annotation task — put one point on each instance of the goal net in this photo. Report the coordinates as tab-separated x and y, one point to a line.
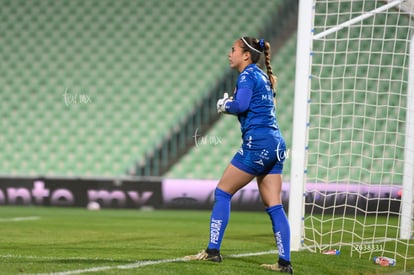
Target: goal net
356	153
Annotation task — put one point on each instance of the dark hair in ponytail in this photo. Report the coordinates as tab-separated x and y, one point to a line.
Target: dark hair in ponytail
255	47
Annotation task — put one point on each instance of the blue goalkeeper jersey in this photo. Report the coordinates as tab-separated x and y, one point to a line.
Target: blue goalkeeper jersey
253	102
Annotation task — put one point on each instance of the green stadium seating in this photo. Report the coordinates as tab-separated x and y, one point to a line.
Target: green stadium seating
143	64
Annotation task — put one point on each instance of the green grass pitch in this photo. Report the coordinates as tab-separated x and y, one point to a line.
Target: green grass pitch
39	240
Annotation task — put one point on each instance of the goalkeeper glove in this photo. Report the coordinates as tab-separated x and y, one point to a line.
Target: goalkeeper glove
221	103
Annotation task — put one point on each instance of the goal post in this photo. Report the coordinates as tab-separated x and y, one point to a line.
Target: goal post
352	160
408	176
300	117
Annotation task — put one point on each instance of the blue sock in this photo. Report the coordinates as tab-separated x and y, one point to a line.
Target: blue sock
219	218
281	229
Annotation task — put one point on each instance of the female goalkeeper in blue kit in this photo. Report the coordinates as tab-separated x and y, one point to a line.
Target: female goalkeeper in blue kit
261	154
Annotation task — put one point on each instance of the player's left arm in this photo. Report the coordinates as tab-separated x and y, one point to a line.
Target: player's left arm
240	103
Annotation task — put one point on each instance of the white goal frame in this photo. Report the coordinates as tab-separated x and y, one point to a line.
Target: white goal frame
301	126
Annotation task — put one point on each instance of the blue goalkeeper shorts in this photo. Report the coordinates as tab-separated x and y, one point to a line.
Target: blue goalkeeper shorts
261	154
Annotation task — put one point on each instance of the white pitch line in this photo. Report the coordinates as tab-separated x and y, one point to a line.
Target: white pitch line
146	263
20	219
253	254
61	258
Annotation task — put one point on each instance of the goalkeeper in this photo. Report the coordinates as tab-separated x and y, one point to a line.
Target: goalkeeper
261	154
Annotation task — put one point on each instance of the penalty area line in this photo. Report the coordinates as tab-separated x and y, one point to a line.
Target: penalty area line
20	219
147	263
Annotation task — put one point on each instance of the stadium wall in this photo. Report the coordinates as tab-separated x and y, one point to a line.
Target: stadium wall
158	193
